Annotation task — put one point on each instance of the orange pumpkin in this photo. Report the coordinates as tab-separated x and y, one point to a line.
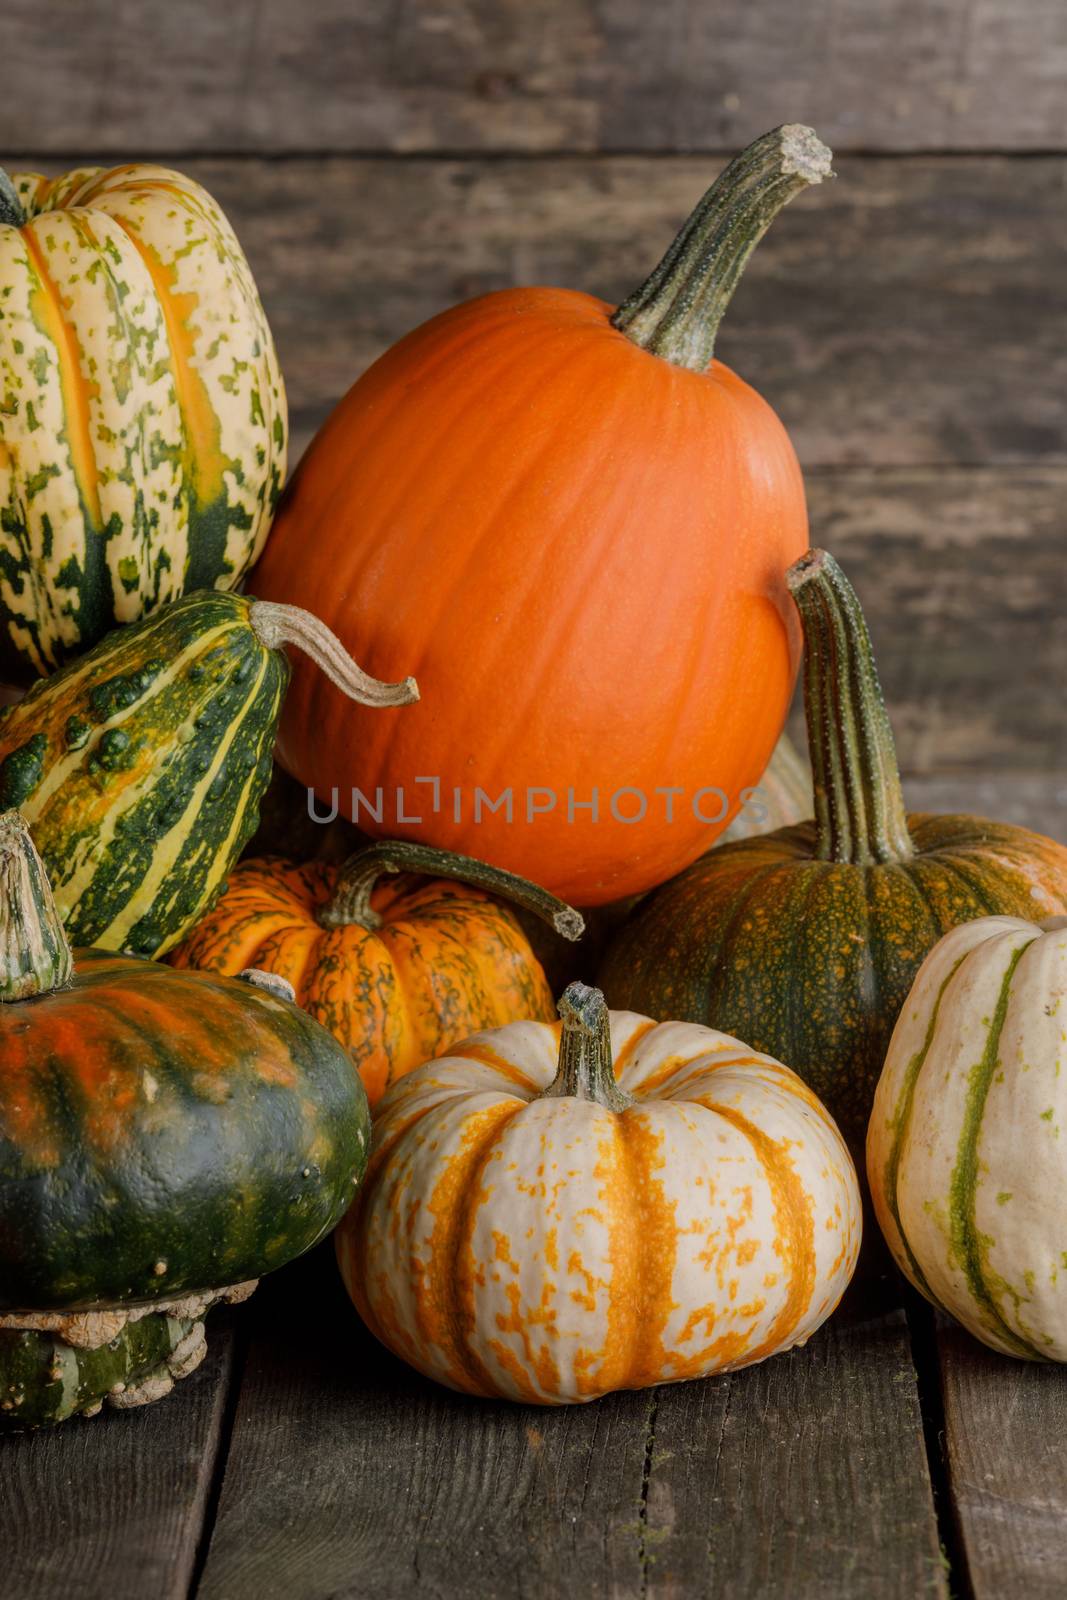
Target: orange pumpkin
551	1215
572	524
396	971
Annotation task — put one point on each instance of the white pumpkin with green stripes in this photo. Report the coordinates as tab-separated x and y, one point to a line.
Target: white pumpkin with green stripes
967	1146
143	425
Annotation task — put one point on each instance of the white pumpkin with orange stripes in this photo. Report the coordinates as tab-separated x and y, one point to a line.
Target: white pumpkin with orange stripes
965	1151
143	423
554	1212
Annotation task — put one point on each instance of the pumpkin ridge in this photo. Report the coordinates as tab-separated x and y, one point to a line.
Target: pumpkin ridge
74	386
901	1120
651	1245
187	837
976	891
457	1292
794	1219
966	1244
679	999
624	1057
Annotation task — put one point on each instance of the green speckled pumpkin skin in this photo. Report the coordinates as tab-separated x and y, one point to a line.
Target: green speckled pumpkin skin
166	1132
140	768
143	424
810	961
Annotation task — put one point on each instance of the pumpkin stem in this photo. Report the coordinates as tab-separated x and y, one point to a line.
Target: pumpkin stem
859	804
11	211
277	625
677	310
351	899
586	1070
34	954
271	983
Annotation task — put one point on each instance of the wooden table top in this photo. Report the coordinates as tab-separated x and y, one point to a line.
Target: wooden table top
891	1456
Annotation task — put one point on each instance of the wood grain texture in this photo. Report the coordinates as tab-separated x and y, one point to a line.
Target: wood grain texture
1004	1428
112	1507
349	1475
962	577
804	1477
531	75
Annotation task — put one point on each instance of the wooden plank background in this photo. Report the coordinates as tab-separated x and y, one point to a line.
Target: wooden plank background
381	159
532	75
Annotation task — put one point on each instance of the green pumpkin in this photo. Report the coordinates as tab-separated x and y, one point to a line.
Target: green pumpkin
140	767
163	1134
805	942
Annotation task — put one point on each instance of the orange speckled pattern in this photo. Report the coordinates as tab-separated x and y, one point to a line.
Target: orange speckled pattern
551	1250
447	959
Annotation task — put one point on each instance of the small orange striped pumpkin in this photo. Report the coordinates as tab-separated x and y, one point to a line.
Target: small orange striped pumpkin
551	1214
396	971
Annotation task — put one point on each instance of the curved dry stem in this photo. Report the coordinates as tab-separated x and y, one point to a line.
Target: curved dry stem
277	625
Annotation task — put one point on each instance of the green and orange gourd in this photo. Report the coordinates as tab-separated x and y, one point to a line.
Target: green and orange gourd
165	1137
398	968
571	521
140	767
806	941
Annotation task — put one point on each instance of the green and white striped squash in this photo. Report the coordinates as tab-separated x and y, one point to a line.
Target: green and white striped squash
140	767
143	424
965	1151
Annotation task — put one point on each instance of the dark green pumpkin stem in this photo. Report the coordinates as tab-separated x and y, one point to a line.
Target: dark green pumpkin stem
586	1070
859	804
11	211
34	954
677	310
351	899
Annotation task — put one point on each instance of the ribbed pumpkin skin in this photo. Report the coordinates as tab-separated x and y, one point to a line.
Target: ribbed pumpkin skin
550	1250
140	768
812	960
578	549
164	1132
143	437
447	961
965	1149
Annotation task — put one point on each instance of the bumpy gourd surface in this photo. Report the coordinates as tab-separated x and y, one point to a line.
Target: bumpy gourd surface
164	1131
551	1250
140	768
446	961
142	412
965	1150
812	960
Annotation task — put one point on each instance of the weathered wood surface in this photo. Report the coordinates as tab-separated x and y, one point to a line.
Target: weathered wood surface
1005	1423
348	1475
910	313
113	1507
963	579
530	75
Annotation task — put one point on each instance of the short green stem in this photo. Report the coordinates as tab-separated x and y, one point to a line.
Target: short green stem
351	900
34	954
586	1069
859	803
677	310
11	209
